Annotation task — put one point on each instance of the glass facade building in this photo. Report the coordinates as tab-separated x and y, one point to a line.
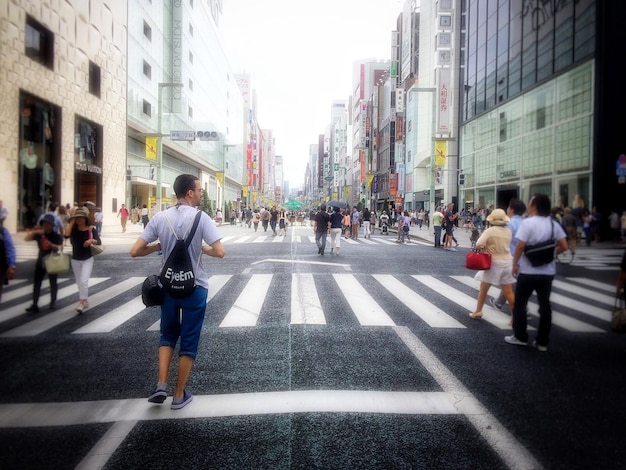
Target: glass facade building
537	98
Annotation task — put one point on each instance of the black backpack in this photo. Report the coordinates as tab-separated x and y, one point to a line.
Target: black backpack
177	276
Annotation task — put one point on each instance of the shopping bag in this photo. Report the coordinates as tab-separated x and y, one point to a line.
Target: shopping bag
57	263
477	260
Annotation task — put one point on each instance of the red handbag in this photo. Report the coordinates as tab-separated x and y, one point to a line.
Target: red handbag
477	260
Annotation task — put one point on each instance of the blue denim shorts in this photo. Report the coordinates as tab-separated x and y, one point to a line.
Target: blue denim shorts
183	318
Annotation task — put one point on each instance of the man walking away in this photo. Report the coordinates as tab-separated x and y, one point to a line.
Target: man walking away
437	221
321	227
181	317
534	230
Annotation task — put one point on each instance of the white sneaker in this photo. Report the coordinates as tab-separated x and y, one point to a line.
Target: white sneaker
513	340
539	347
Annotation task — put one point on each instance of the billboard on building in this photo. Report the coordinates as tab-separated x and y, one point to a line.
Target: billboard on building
443	101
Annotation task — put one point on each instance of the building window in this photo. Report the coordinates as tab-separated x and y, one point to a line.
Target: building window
147	108
190	30
190	112
190	84
147	69
147	31
94	79
39	43
190	57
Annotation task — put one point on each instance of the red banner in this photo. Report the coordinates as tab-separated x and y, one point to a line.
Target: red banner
393	184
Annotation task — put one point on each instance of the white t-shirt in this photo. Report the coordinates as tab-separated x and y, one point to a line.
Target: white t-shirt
181	218
537	229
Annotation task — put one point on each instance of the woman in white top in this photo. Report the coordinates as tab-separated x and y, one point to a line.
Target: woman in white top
497	241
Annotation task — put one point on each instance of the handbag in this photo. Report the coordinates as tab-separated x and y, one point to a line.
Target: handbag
152	291
477	260
95	249
542	253
57	263
618	317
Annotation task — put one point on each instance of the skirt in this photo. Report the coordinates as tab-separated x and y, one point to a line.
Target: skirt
499	273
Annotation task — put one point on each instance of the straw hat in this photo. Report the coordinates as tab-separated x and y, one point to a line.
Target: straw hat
81	212
498	217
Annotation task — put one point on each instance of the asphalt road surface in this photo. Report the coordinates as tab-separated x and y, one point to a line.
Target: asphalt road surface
363	360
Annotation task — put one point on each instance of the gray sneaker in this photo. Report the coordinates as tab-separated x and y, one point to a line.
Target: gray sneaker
539	347
178	403
494	304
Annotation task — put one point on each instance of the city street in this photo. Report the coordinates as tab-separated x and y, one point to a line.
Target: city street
363	360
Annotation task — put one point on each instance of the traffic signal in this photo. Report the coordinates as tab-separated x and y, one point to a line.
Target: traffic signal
129	175
461	179
438	176
151	172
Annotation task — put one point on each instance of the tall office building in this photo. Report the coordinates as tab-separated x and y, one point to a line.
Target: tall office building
180	85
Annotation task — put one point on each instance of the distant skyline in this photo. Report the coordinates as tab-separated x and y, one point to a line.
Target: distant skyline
300	58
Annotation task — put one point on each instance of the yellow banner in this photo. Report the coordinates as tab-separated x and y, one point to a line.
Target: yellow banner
370	178
441	152
220	177
151	148
244	191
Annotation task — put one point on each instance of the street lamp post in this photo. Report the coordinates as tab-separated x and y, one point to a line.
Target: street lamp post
159	149
431	196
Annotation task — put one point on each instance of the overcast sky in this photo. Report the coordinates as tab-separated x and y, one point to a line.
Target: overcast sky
300	54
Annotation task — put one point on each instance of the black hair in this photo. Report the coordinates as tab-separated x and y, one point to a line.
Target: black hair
337	208
542	204
517	206
183	184
323	207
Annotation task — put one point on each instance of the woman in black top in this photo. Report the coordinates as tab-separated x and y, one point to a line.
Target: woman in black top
82	236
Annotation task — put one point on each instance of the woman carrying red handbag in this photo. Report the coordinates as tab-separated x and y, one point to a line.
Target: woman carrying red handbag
496	240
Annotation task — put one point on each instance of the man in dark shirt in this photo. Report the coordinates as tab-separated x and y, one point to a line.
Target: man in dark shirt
321	227
273	219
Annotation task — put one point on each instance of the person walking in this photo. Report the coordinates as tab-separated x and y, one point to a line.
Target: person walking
321	227
265	218
181	318
123	215
406	227
355	222
367	216
346	223
497	241
535	229
450	218
82	236
282	221
515	212
273	219
335	230
144	216
256	218
420	218
47	242
4	213
7	258
437	222
98	219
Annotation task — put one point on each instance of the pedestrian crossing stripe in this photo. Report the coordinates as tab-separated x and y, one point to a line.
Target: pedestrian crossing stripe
582	300
558	318
44	299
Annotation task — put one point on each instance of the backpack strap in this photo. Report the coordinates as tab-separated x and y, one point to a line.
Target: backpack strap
192	232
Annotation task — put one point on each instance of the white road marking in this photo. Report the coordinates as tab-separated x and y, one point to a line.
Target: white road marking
490	315
108	322
431	314
247	308
510	450
558	319
306	308
365	308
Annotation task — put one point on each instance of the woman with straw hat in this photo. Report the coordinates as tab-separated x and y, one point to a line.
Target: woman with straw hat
82	236
495	240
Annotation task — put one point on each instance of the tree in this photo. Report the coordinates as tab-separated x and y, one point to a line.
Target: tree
206	205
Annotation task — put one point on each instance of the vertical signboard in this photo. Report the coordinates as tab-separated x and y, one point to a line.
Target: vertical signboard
401	175
441	152
393	184
177	55
443	101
